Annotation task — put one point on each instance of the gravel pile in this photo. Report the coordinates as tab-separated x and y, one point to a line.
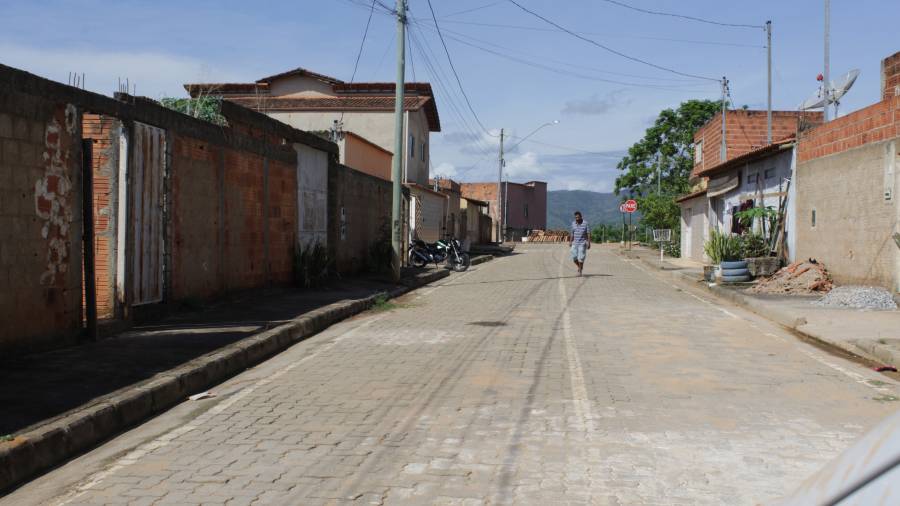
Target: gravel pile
859	297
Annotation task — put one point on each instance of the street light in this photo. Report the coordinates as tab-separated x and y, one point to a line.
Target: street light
503	212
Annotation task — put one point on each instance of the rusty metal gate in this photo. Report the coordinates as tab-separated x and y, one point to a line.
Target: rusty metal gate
148	165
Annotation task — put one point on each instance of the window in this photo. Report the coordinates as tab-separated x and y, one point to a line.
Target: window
770	173
412	146
813	218
526	210
698	152
424	151
752	178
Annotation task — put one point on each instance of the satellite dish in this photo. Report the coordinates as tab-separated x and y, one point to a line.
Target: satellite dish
836	90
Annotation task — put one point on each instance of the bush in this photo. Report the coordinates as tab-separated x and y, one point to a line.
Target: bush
754	245
312	265
381	253
207	108
723	247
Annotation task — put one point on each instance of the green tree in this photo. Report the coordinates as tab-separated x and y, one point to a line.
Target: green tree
207	108
667	146
606	232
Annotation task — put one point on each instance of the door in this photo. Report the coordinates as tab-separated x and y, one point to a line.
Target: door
148	164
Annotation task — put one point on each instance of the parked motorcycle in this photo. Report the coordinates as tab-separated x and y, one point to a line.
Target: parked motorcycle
449	250
457	259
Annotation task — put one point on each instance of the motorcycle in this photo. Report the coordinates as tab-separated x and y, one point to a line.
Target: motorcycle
449	250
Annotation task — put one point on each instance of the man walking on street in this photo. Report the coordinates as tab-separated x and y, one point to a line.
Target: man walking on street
579	241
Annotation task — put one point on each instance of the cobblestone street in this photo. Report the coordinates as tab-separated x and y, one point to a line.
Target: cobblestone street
514	383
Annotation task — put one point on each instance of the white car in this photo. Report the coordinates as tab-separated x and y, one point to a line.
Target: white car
867	474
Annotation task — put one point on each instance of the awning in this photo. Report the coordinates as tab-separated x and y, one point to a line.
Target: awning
722	184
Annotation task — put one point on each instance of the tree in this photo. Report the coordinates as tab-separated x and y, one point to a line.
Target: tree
205	107
666	146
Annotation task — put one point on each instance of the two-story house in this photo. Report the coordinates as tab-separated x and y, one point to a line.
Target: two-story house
310	101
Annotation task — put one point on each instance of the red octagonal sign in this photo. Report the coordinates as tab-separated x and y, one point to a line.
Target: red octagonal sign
629	206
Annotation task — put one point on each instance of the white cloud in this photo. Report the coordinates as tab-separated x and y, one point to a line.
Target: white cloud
445	169
154	74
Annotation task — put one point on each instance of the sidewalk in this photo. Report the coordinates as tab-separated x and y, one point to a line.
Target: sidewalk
872	335
57	404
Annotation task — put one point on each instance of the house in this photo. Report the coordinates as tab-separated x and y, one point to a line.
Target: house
476	225
521	208
427	213
848	216
365	156
310	101
753	172
451	189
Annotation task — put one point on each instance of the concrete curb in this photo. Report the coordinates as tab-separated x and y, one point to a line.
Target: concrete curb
79	430
871	351
480	259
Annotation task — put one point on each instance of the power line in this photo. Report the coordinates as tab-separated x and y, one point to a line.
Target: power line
363	42
640	37
455	74
556	70
474	9
682	16
607	48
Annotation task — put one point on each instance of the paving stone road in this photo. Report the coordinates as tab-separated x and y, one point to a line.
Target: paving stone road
515	383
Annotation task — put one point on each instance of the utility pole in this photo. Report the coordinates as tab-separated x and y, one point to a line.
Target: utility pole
506	205
769	106
723	151
396	169
500	192
826	83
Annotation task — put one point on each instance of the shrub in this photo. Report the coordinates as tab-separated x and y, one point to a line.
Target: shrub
207	108
754	245
312	265
722	247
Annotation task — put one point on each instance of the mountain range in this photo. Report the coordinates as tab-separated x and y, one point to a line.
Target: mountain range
596	208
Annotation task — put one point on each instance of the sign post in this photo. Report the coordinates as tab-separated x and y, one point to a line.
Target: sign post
630	206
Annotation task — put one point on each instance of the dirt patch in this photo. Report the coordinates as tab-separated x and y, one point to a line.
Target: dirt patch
799	278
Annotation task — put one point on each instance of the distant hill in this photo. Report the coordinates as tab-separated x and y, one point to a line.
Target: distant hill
596	207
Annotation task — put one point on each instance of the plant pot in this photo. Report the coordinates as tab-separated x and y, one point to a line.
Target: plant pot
733	271
763	266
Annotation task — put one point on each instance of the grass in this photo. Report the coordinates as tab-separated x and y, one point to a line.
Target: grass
878	383
383	303
7	437
886	398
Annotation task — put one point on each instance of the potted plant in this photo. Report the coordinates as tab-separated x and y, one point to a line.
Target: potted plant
724	251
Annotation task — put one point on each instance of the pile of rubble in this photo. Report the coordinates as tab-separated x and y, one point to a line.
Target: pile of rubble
858	297
806	277
548	236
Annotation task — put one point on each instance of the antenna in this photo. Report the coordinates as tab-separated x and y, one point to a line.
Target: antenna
831	93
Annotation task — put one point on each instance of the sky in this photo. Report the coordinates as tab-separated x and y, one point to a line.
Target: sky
516	71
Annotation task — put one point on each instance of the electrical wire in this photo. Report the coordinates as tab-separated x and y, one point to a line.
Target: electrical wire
359	53
556	70
474	9
682	16
640	37
607	48
455	74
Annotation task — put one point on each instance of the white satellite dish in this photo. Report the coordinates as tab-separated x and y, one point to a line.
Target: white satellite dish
836	90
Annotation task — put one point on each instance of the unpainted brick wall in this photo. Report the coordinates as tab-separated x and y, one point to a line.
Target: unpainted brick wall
103	131
40	223
746	131
890	76
234	219
876	123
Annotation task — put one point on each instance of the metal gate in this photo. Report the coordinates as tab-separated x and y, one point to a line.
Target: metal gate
148	165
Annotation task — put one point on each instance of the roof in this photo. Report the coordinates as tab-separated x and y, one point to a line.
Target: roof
476	202
749	156
690	196
342	103
300	71
227	88
416	186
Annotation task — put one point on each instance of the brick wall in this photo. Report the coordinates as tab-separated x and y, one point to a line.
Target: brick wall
875	123
746	131
359	210
890	76
40	222
486	192
104	134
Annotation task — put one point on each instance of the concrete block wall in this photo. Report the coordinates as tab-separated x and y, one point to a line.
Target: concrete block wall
359	210
40	222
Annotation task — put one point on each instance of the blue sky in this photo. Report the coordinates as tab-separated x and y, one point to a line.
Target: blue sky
539	75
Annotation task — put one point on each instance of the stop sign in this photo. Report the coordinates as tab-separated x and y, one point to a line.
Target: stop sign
629	206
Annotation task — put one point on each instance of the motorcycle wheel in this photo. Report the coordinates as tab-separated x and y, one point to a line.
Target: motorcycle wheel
416	261
463	263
